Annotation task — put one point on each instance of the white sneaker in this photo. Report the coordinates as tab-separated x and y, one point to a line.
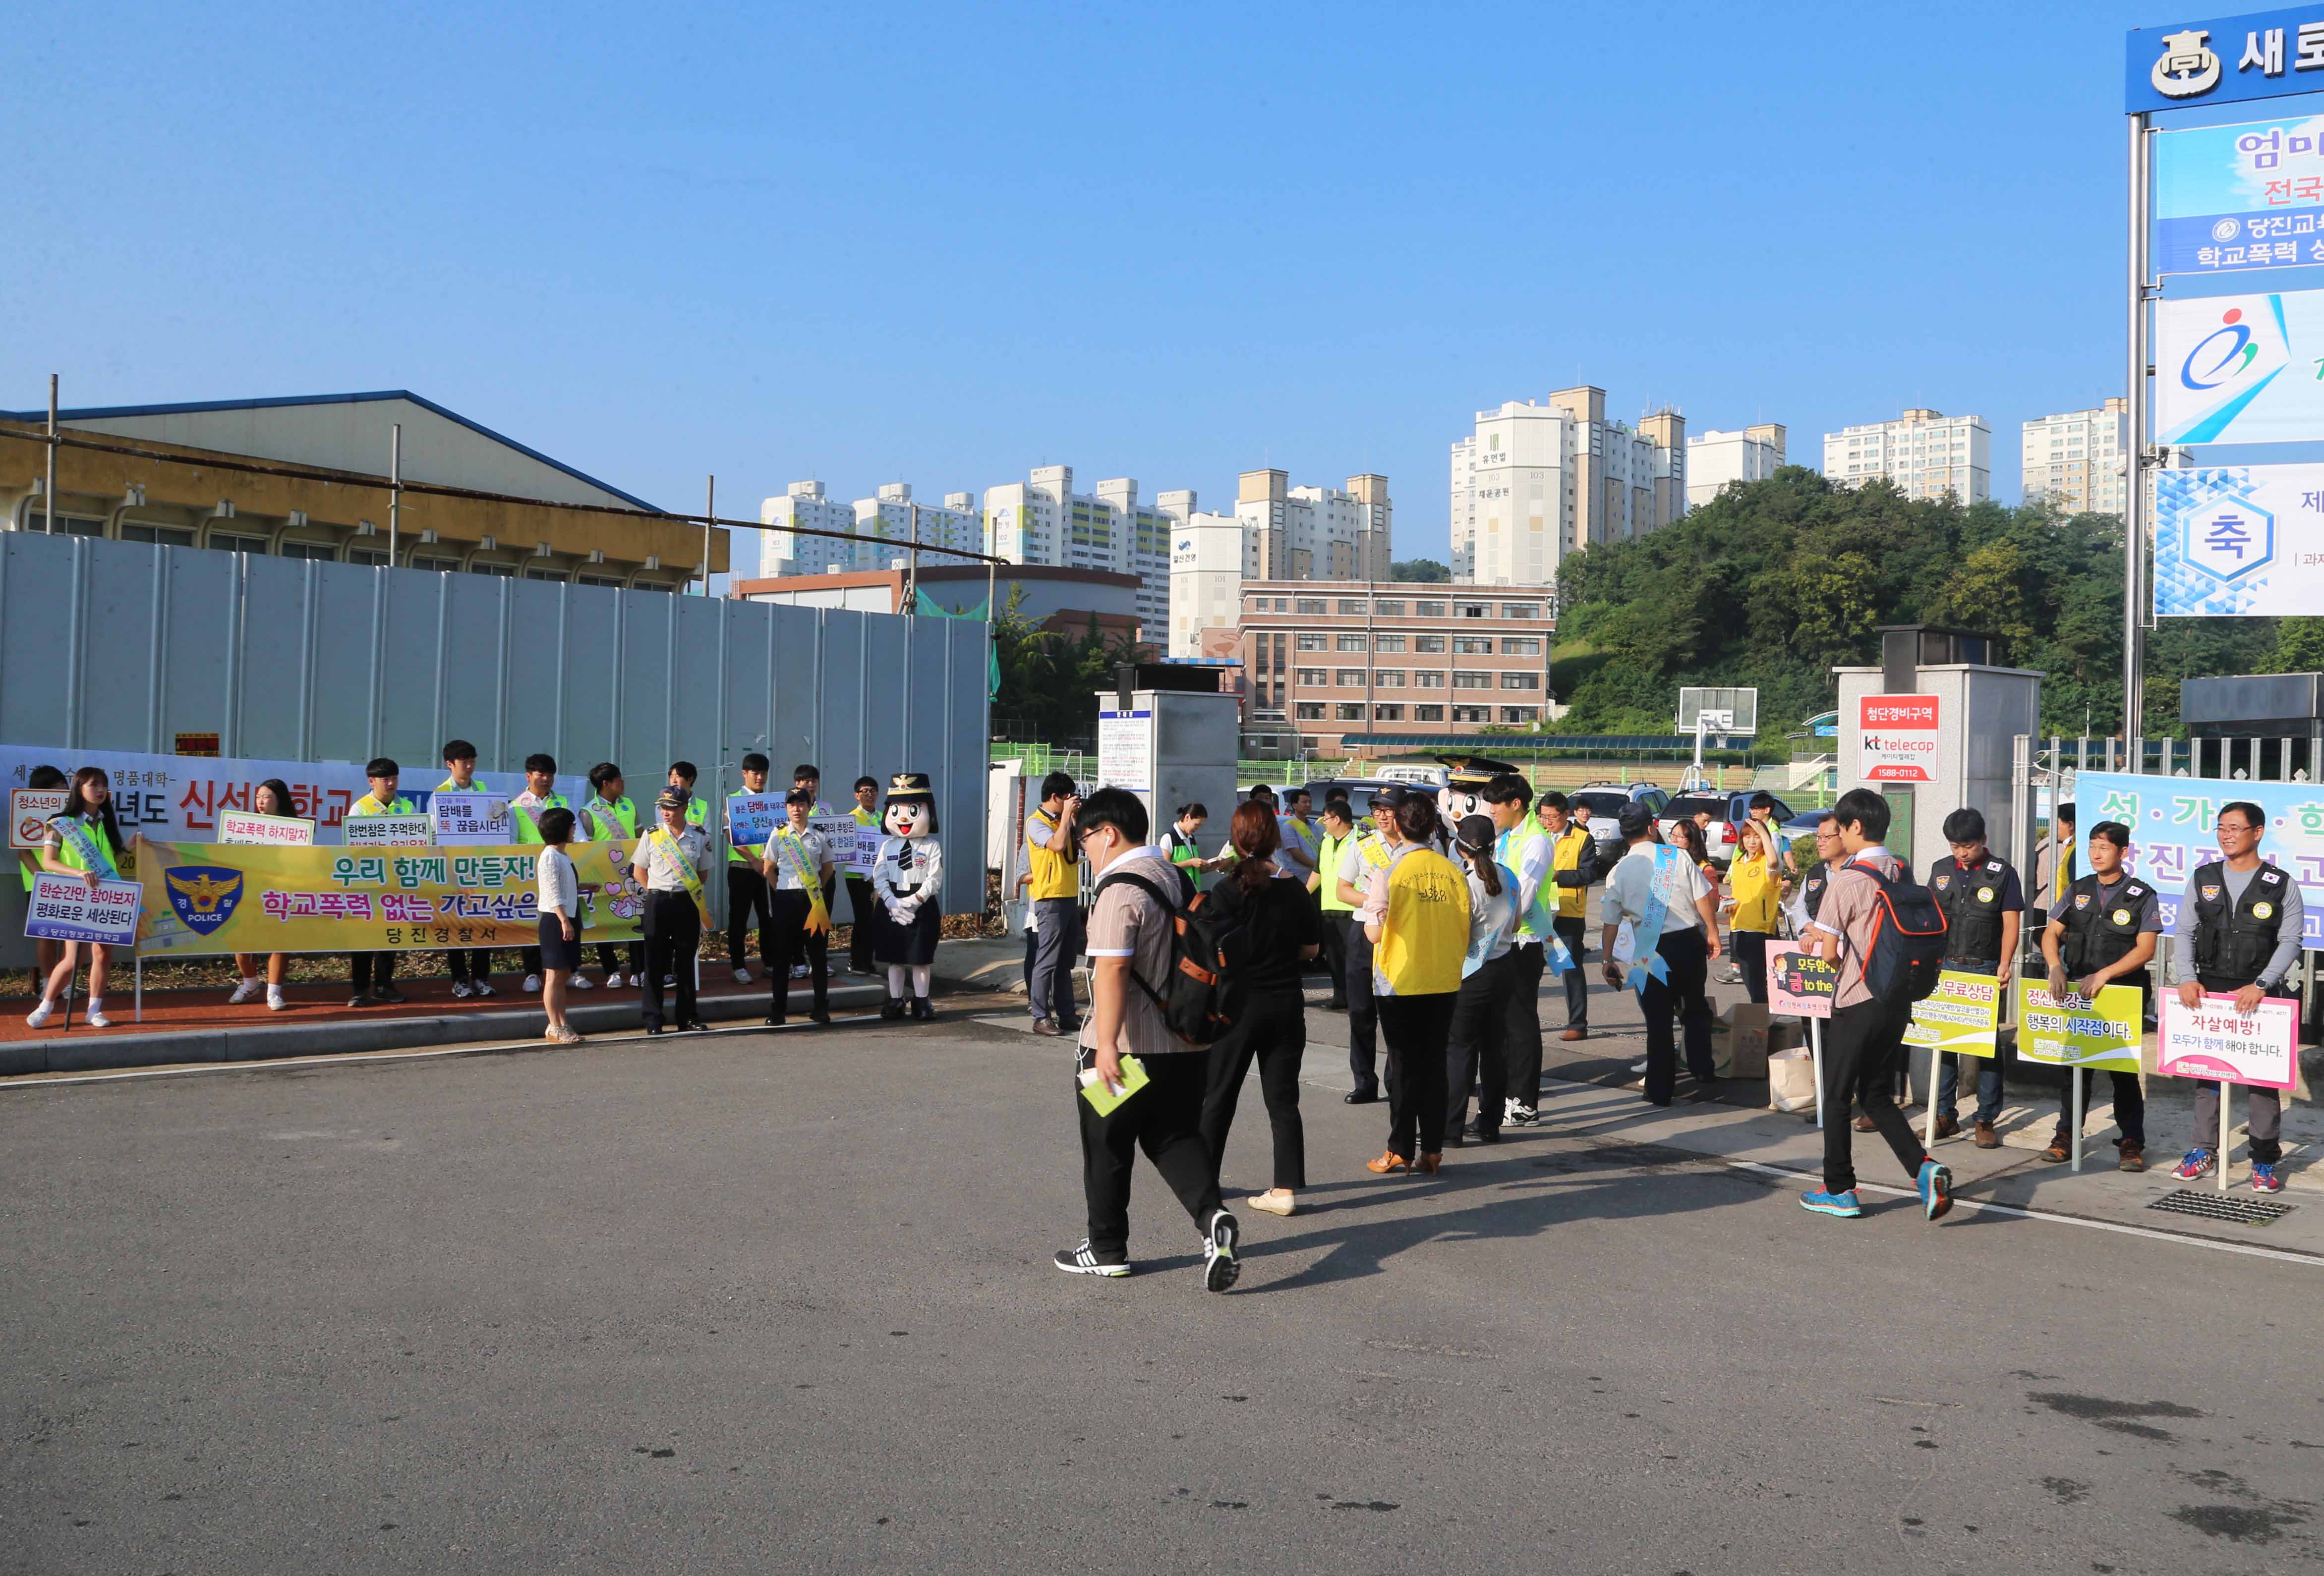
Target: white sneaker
532	984
799	971
97	1020
246	991
274	1002
742	976
612	979
40	1015
1638	1066
581	983
463	989
484	990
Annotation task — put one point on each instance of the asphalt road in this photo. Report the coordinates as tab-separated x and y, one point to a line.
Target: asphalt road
756	1303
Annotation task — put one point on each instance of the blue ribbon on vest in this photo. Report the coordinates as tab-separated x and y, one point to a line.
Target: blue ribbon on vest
1647	958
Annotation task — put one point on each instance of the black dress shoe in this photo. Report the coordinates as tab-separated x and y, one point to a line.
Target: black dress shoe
1360	1097
653	1028
1454	1141
1488	1135
1335	1006
1704	1093
820	1015
774	1023
694	1025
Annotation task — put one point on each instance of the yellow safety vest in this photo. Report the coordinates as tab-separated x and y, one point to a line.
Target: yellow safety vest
1425	936
1566	854
1756	894
525	816
1054	875
369	805
620	812
1328	868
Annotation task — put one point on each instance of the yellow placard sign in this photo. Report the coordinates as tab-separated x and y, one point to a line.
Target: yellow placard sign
2078	1032
1962	1014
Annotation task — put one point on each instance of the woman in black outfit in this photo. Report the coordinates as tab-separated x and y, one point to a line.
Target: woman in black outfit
1270	1009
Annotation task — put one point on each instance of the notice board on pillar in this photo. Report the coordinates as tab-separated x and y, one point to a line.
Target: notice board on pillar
1125	749
1896	738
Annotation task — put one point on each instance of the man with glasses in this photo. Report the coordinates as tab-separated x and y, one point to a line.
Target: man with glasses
1985	905
2102	932
2239	932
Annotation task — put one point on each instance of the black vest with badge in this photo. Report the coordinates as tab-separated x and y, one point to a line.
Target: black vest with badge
1971	899
2101	925
2234	941
1815	885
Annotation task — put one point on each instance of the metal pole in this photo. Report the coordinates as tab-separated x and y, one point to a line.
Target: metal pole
394	488
2133	544
48	498
2080	1117
709	513
912	565
1815	1039
2226	1126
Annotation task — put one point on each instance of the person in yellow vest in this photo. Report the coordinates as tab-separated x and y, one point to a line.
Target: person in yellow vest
746	889
671	864
609	817
1576	861
809	776
683	777
1365	852
1340	834
1055	894
85	841
45	951
472	967
371	974
1415	913
861	902
1754	886
525	811
1524	846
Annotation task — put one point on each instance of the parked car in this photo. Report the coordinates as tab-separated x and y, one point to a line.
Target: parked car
1359	790
1606	801
1728	811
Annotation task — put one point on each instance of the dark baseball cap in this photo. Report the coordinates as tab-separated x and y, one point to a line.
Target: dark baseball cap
1390	796
1636	820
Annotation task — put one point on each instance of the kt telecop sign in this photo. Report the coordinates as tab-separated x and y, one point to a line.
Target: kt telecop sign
2265	54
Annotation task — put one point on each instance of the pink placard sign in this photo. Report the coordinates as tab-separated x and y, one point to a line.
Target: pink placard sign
2216	1041
1800	985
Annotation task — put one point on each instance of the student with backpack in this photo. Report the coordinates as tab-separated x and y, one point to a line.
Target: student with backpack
1133	943
1265	1006
1888	934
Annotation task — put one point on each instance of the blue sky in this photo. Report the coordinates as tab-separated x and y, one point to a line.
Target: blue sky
947	243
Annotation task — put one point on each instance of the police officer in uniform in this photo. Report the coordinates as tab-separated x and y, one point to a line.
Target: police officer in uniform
1985	905
2102	932
1818	878
2238	932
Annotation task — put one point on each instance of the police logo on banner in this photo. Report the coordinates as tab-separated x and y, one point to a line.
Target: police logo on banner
203	895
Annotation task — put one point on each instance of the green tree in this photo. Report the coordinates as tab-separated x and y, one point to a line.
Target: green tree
1428	570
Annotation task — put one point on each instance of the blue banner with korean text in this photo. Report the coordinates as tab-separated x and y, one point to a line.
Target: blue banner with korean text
2228	199
2225	59
2171	821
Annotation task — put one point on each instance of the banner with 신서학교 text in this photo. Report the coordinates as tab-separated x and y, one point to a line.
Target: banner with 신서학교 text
204	898
2172	821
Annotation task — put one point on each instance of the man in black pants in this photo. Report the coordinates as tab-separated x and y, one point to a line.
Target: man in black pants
1651	877
670	864
1984	907
1129	933
1364	1013
472	967
746	889
1574	861
2103	931
1865	1042
859	899
797	869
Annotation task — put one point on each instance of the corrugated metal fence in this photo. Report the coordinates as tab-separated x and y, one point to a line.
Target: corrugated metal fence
124	646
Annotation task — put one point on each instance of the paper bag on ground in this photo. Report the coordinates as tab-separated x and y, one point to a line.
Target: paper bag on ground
1791	1081
1740	1049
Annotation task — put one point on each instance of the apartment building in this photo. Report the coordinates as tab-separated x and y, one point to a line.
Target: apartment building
1925	453
1535	481
1043	521
2077	460
1277	533
1715	458
1324	659
885	526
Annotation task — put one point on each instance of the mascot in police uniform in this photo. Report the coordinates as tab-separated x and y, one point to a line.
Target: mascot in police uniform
908	879
1463	793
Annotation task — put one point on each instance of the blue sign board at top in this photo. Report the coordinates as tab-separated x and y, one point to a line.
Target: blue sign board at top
2226	60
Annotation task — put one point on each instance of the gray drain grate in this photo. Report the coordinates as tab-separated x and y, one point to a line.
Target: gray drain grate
2216	1206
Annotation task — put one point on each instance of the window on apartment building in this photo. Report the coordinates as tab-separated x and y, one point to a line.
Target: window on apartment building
1389	678
1428	680
1388	642
1313	676
1390	608
1472	681
1354	643
1473	645
1348	677
1388	714
1520	610
1308	642
1520	714
1282	604
1311	711
1354	605
1521	646
1348	711
1429	609
1520	681
1472	714
1428	714
1473	610
1311	604
1428	643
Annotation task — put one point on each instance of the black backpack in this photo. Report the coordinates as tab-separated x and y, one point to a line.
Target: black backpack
1907	949
1209	945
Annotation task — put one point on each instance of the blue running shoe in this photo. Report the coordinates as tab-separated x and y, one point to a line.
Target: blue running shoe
2263	1177
1842	1205
1936	1183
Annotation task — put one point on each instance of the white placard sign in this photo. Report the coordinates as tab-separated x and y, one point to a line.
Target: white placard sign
28	810
1896	738
2215	1040
390	831
463	818
1125	749
839	836
272	831
68	908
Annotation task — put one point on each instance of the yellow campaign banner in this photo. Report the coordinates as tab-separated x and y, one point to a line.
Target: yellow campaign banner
2078	1032
1962	1015
211	897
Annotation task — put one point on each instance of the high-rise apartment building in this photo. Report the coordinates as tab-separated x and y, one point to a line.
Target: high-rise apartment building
1207	565
1927	453
884	525
1043	521
1277	533
2077	460
1537	480
1715	458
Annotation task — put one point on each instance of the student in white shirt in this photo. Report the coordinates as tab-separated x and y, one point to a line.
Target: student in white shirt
561	920
1687	943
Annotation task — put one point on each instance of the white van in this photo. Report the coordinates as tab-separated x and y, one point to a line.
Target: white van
1430	776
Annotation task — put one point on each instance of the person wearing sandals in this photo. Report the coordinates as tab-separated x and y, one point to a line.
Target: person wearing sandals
271	798
1416	914
560	921
1269	1007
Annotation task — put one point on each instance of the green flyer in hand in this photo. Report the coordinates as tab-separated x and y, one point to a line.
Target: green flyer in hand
1105	1099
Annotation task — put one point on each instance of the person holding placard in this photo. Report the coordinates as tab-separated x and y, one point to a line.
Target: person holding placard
2238	932
46	950
746	888
795	865
472	967
371	974
84	842
271	798
609	817
525	811
1984	909
670	864
2103	931
861	902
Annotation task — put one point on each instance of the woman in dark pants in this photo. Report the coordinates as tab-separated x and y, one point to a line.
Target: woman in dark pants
1268	1008
1477	1052
1416	915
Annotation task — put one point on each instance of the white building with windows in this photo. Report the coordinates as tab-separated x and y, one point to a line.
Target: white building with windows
1207	565
1277	532
1925	453
2077	460
803	503
1715	458
884	526
1043	521
1537	480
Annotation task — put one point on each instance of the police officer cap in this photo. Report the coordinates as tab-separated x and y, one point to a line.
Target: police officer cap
1390	798
676	798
